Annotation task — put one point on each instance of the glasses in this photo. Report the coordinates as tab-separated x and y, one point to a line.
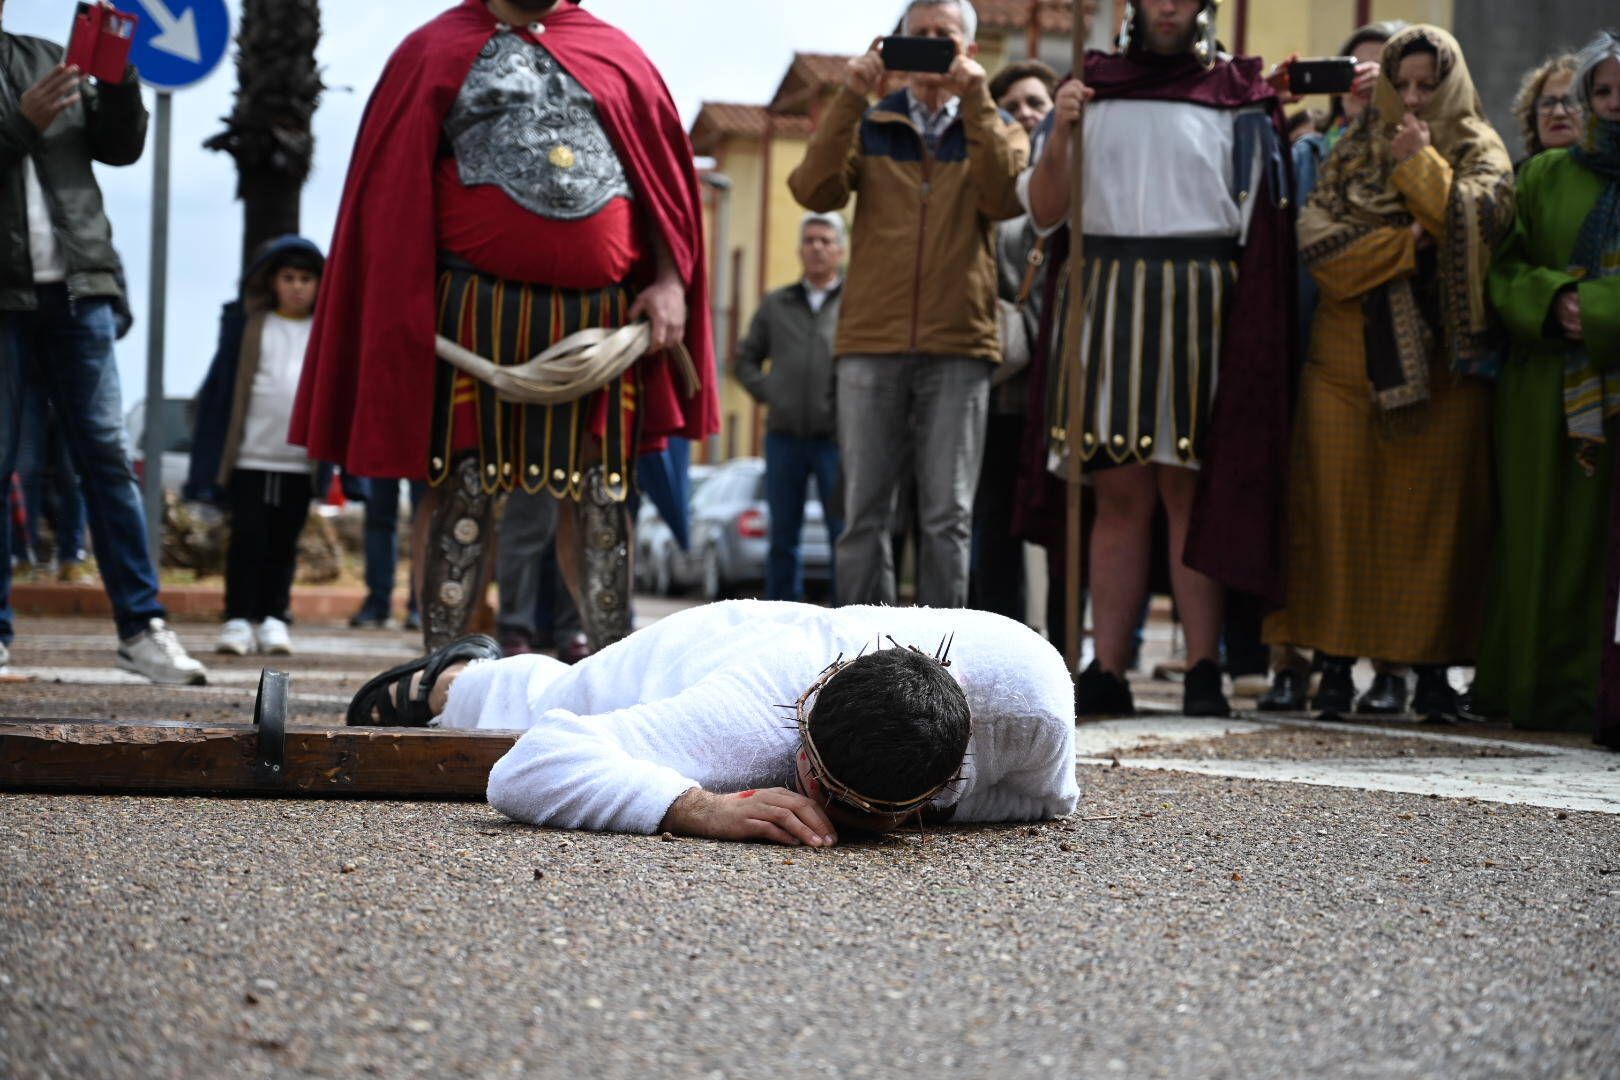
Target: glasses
1551	104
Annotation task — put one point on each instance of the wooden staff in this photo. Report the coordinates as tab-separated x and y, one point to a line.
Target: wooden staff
1075	423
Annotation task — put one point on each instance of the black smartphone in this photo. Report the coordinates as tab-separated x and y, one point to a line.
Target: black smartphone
929	54
1329	75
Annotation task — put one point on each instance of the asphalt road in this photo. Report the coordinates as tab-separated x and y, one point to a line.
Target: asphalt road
1179	926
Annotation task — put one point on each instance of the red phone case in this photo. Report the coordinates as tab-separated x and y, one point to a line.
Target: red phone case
101	42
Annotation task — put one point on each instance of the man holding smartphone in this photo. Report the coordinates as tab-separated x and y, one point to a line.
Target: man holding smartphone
935	166
61	308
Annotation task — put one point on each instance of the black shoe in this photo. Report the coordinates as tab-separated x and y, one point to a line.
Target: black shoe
368	618
1336	690
1287	694
1386	698
1099	693
1201	692
1435	701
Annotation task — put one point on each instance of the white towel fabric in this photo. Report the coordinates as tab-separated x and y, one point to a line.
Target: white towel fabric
691	701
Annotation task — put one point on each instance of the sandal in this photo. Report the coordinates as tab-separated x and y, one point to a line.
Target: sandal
375	706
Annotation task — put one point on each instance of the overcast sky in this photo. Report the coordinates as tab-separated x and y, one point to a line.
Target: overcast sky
721	50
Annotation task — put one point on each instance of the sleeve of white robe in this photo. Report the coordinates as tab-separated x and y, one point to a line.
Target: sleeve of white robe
1036	781
618	771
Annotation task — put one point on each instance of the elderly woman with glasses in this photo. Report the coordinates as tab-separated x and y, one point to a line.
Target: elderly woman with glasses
1556	285
1549	113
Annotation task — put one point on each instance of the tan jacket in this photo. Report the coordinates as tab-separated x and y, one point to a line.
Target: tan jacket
922	268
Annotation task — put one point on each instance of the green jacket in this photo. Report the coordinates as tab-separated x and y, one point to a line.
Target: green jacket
107	125
922	264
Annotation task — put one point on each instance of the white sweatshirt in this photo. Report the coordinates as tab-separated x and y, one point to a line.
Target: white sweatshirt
692	701
282	346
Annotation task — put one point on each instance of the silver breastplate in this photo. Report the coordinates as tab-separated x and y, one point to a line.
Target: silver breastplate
525	125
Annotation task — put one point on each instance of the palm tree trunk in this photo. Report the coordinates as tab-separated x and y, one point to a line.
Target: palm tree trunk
268	131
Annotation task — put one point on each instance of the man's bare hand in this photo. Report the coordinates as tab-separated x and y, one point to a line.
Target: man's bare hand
966	76
53	95
663	304
1069	106
865	73
1411	139
774	815
1568	310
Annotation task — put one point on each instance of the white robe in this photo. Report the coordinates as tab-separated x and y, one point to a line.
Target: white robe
692	701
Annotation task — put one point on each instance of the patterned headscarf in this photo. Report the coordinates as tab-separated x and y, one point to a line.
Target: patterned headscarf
1590	396
1356	195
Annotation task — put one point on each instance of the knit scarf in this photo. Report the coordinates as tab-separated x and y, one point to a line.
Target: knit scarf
1590	396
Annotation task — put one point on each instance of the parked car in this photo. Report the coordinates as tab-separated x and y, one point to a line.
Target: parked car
731	530
655	540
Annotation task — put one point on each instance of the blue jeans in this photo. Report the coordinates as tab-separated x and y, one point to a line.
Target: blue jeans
41	447
71	345
382	543
789	463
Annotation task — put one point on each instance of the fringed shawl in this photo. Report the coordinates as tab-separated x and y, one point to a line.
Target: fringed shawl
1356	195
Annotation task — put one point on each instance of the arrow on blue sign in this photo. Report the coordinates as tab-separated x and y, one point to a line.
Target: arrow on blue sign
178	42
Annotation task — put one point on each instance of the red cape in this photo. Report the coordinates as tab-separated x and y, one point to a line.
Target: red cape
366	396
1239	526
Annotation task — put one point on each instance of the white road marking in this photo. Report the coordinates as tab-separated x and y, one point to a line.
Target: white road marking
1555	777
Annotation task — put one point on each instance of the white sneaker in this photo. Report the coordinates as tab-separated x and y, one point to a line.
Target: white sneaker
5	656
236	639
273	638
156	653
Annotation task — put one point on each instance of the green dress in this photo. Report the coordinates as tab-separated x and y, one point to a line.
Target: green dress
1544	622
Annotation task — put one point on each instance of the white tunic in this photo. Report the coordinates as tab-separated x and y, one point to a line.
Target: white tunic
1159	169
691	701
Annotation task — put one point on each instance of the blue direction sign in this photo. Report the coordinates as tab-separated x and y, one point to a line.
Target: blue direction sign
178	42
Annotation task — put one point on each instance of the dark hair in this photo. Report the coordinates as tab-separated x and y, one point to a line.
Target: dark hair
1419	44
297	258
1015	73
891	725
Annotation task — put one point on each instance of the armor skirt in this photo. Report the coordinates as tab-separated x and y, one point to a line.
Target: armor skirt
1150	348
537	447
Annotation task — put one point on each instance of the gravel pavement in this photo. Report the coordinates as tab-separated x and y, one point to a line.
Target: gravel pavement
1178	926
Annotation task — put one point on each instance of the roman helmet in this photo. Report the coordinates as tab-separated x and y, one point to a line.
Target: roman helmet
1205	46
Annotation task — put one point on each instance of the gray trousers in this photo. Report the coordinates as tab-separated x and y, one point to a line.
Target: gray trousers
529	525
939	406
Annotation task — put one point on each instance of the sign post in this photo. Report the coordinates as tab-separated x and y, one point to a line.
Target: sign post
177	44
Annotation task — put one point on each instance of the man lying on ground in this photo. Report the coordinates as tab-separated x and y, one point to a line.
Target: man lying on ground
754	720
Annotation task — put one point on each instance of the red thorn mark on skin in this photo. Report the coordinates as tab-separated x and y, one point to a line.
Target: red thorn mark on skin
747	794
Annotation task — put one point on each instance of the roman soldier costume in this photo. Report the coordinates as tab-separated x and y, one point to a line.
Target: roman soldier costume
501	198
1187	342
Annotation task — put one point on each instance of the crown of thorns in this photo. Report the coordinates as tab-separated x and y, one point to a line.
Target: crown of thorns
841	791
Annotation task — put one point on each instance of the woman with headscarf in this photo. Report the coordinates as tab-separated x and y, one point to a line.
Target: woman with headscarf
1556	284
1390	492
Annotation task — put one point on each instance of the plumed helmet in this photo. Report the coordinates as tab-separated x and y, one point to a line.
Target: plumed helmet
1205	45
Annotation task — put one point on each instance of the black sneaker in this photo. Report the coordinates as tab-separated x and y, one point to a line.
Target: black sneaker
1336	690
1201	693
1288	692
369	618
1387	697
1100	693
1435	701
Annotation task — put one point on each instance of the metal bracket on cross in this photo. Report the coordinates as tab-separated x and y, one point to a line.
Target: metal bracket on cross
270	722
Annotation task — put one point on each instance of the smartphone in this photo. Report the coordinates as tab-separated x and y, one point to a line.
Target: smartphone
100	42
929	54
1329	75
